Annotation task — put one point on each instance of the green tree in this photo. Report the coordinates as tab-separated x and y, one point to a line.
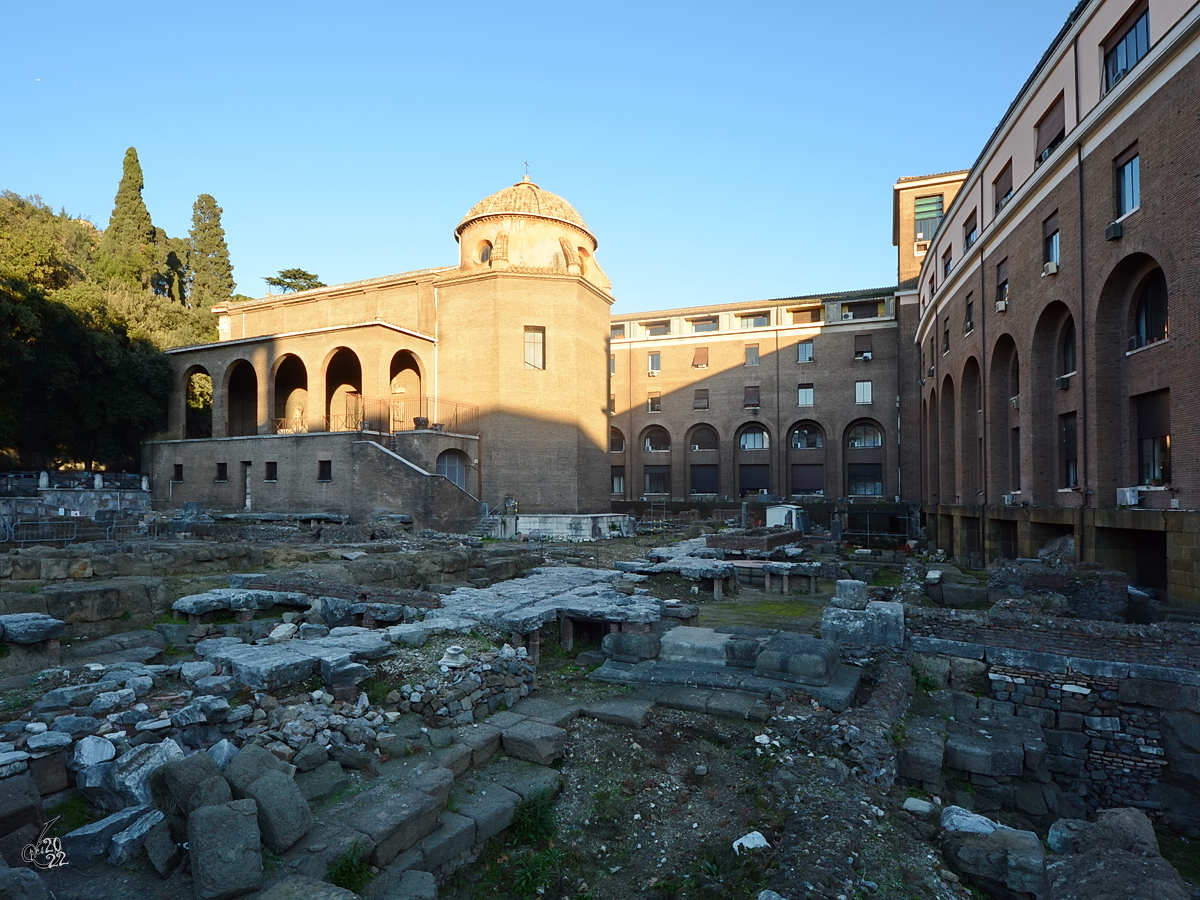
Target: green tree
129	249
295	280
209	272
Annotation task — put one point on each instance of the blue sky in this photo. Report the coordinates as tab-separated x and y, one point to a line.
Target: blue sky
720	153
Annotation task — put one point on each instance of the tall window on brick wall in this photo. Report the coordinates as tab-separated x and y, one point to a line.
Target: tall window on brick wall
612	404
1051	130
752	354
947	262
1066	357
617	475
750	398
1002	187
653	402
222	472
863	347
1050	244
1068	434
970	231
804	351
616	441
1128	182
1150	321
700	401
612	365
653	363
272	472
1002	284
804	394
1125	50
862	392
927	216
324	470
700	358
535	347
1154	437
657	440
969	314
946	335
177	473
657	479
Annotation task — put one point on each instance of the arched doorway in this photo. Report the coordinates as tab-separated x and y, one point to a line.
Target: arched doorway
753	460
453	465
948	488
407	396
291	396
865	456
1004	420
242	392
806	458
198	403
656	461
704	461
343	391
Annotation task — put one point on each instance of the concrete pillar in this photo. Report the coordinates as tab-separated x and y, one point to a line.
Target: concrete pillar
220	380
766	582
262	402
566	631
535	646
717	583
785	585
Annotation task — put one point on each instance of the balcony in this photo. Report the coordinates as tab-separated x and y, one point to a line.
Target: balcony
388	417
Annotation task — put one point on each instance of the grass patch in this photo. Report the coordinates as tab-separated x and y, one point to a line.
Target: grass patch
1183	854
350	870
886	578
534	820
376	689
72	814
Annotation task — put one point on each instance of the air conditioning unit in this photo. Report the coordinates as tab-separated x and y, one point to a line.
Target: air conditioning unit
847	315
1015	402
1062	382
652	373
866	357
1001	306
1129	496
1050	268
1114	231
930	372
1010	499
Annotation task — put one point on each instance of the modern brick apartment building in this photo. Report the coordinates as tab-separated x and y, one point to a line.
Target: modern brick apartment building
1059	300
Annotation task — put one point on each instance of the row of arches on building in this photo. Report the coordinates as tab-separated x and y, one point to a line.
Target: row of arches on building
1018	417
748	462
235	396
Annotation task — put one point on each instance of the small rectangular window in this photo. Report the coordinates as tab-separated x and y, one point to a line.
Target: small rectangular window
654	402
706	324
1129	189
804	351
272	472
866	310
1126	51
750	399
616	331
927	216
618	479
804	395
862	392
752	354
970	231
947	262
754	320
177	474
863	346
1050	131
324	470
657	479
1002	281
222	472
1002	187
1050	246
701	399
612	404
969	318
535	347
653	362
616	441
946	336
1069	448
700	358
612	365
657	329
805	316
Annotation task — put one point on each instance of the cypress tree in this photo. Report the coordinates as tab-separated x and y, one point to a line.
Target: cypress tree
209	272
127	250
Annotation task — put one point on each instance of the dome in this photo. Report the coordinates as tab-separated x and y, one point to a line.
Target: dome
527	199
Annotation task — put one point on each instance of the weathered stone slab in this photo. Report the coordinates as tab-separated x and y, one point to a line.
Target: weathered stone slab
881	624
492	811
798	658
301	887
283	813
396	823
631	713
457	835
128	843
30	628
484	740
226	850
534	742
89	844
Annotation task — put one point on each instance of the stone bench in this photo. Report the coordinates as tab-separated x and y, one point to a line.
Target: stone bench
34	628
242	602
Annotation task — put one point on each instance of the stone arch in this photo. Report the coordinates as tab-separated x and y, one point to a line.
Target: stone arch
453	465
290	415
970	424
948	485
616	440
752	458
241	391
654	445
865	442
197	398
703	459
1047	403
1004	418
1116	333
806	449
406	389
343	390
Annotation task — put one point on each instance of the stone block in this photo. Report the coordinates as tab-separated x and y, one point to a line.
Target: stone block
248	766
173	784
435	782
920	759
881	624
128	843
20	803
799	658
396	822
226	850
89	844
456	836
323	782
491	810
48	741
301	887
456	758
547	711
984	756
128	776
631	648
163	852
30	628
1004	859
49	773
283	813
484	740
630	713
534	742
212	791
969	675
26	884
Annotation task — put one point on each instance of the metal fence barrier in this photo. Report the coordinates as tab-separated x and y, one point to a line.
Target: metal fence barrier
42	532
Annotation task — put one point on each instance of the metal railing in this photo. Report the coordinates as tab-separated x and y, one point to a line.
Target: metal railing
42	532
19	484
138	530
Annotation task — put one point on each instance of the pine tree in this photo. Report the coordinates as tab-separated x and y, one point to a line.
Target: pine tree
209	272
127	250
295	280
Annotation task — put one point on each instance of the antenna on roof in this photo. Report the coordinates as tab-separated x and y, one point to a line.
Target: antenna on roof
526	170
